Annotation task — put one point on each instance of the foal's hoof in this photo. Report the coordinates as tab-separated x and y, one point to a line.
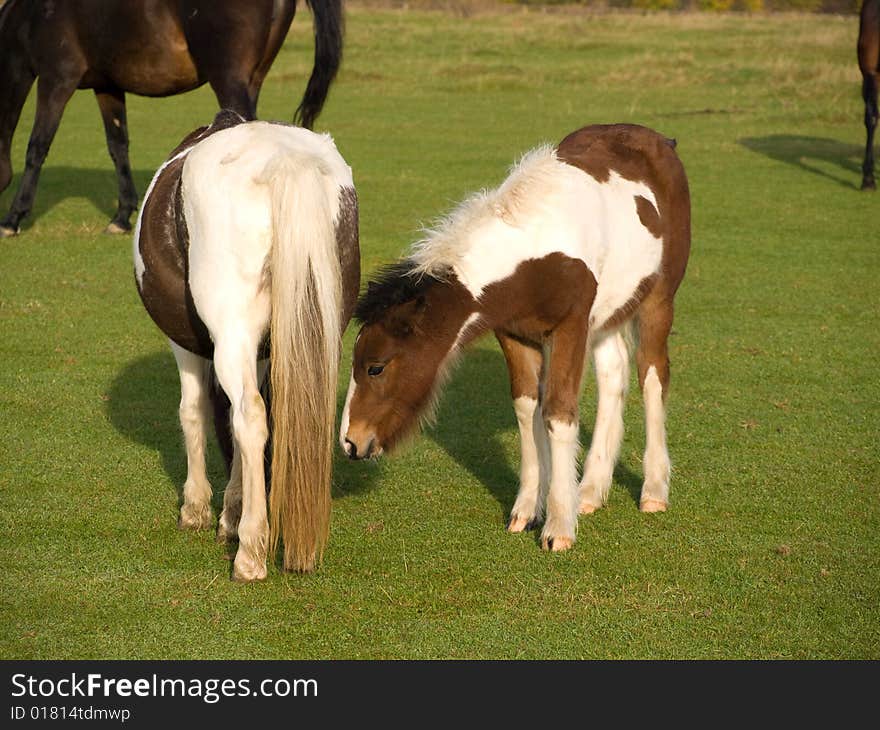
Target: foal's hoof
521	524
556	544
869	185
652	505
7	232
114	228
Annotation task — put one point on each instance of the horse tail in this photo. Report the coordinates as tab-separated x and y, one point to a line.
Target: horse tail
329	28
304	354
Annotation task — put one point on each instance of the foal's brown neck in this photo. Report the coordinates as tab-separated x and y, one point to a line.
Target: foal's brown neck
529	304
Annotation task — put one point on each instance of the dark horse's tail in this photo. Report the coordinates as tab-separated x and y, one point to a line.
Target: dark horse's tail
329	26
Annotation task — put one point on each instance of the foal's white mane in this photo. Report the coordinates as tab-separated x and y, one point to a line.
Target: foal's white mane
446	243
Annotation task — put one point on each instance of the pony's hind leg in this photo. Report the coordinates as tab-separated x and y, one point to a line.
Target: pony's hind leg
227	525
611	361
655	322
195	513
235	363
524	364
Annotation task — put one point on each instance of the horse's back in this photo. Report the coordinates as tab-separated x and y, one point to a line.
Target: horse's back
208	224
156	47
161	245
225	185
642	155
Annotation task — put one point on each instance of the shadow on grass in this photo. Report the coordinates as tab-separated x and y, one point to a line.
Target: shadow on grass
806	152
143	407
476	411
57	184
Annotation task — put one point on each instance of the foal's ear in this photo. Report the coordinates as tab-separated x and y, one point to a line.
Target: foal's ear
407	317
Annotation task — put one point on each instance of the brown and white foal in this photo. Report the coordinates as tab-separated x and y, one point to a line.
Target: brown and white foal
578	242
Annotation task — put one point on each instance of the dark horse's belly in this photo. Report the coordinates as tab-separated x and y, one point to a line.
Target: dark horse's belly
139	47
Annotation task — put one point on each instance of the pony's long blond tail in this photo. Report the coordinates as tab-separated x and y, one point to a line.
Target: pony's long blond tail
305	343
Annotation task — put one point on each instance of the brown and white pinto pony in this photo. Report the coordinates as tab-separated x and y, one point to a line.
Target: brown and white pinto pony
250	230
579	241
869	64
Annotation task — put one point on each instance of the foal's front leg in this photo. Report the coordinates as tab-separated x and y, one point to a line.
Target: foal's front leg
524	364
562	385
195	513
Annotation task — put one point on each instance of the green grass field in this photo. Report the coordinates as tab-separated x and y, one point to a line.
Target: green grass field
771	546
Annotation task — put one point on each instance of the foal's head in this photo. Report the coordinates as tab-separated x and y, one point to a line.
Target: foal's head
410	323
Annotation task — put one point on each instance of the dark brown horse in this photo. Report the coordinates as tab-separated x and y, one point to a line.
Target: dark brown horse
145	47
869	63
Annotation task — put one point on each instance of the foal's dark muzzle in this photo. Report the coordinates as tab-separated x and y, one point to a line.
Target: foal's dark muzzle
355	454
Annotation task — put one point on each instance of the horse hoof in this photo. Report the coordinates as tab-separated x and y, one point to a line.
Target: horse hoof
247	571
869	185
652	505
7	232
226	535
521	524
114	228
195	518
556	544
586	508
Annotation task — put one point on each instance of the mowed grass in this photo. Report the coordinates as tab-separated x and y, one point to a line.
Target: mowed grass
771	546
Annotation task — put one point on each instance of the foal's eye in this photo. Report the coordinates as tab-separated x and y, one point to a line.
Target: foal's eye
375	370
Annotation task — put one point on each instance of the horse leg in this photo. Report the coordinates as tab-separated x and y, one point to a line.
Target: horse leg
869	94
524	363
16	80
235	363
562	386
195	513
112	105
236	94
227	525
655	322
611	361
52	96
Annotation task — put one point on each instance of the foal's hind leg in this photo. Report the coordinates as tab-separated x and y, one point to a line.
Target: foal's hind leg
195	513
612	378
524	363
655	322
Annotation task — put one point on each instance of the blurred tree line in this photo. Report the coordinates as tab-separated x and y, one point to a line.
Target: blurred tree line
817	6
